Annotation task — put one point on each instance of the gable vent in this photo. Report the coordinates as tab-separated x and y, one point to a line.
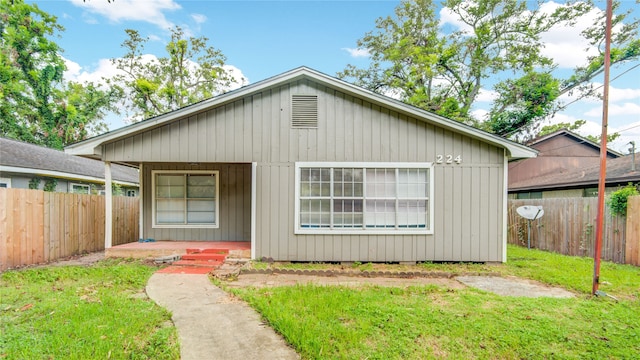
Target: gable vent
304	111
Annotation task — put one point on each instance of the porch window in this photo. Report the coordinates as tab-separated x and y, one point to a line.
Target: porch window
367	198
185	199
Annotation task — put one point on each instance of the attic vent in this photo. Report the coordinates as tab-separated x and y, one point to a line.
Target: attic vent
304	111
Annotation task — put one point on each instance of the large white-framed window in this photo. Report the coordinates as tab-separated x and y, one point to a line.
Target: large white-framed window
363	198
185	199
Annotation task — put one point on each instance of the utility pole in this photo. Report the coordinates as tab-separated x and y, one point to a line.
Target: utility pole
603	152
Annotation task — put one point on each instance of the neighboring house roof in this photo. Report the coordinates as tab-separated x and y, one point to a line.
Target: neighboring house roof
577	138
618	173
92	147
21	157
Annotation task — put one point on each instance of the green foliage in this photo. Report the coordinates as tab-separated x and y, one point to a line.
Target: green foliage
443	72
617	201
34	183
76	312
36	104
50	184
190	72
523	101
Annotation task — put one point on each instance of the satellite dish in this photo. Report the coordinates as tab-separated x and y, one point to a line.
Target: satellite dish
530	212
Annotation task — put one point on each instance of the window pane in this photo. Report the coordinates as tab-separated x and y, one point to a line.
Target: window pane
170	179
201	217
201	187
412	213
381	213
169	205
381	183
170	217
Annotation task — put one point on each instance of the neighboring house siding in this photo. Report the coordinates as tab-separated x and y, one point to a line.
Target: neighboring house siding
235	204
468	196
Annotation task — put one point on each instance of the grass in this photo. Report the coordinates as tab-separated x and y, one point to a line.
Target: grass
435	322
76	312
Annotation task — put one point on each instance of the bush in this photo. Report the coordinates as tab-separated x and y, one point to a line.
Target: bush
618	199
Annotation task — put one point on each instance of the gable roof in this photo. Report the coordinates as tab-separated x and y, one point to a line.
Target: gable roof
92	147
618	173
21	157
572	136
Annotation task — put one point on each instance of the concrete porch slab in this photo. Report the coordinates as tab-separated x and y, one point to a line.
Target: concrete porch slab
142	250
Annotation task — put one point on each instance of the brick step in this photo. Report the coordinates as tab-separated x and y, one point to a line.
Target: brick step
206	263
213	257
207	251
186	270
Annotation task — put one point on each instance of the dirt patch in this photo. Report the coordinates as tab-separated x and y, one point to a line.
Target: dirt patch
505	286
270	280
513	286
80	260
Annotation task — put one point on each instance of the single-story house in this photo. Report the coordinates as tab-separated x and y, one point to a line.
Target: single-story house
580	182
559	153
311	168
25	166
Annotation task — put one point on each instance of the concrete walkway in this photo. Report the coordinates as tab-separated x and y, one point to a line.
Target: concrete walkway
213	325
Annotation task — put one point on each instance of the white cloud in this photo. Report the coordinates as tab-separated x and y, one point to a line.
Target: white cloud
357	53
564	43
151	11
103	69
239	80
485	95
448	17
199	18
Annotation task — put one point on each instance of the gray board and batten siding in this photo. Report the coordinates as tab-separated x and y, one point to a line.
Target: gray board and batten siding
468	197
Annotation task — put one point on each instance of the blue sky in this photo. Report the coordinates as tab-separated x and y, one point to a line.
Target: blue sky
264	38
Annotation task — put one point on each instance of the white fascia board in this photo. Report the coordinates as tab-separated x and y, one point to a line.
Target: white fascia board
60	174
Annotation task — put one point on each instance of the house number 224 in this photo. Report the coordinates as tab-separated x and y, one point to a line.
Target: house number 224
448	159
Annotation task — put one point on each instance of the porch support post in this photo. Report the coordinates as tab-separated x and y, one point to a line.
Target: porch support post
505	205
108	206
254	187
140	202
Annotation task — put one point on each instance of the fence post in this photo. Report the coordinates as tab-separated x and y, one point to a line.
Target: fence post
632	243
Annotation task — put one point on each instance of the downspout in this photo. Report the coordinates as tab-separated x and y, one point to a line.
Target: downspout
108	206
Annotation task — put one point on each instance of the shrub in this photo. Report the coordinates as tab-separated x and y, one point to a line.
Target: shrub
618	199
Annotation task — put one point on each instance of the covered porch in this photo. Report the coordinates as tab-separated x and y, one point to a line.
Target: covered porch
158	249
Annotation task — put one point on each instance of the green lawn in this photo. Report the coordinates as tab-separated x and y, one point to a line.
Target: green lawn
74	312
434	322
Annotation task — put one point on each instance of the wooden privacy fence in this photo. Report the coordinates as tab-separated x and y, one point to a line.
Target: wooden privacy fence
39	227
569	226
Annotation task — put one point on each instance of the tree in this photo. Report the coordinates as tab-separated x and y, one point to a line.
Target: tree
36	104
414	59
443	73
192	71
513	114
548	129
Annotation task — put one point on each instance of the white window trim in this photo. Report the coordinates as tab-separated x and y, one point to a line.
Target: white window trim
84	186
154	225
6	181
373	231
